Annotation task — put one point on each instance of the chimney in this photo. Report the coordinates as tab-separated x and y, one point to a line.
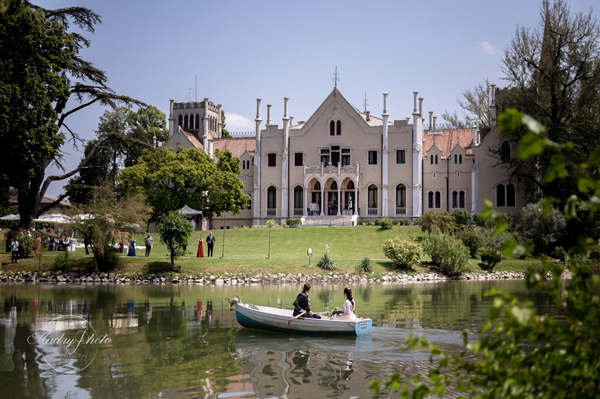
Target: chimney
368	115
415	93
493	106
385	111
475	136
434	118
430	119
291	121
268	114
421	106
258	100
493	88
285	107
407	120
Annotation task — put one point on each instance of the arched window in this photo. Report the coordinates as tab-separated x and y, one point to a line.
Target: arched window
460	159
332	128
400	199
333	185
192	121
431	159
298	200
505	150
197	123
185	122
430	200
461	200
436	159
373	199
249	202
438	199
455	159
511	195
500	195
317	186
180	122
271	199
454	199
339	127
350	185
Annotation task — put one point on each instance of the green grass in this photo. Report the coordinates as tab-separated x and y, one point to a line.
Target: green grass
246	251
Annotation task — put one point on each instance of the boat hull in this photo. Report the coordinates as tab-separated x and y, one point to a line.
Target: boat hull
273	319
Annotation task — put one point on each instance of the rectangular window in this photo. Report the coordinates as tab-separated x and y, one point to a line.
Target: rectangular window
372	157
271	160
298	159
400	156
438	199
325	156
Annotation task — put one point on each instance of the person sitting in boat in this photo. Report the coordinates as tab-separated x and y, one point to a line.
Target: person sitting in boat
301	304
349	305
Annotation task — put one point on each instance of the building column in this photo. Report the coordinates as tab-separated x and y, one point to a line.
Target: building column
417	161
384	159
305	202
355	200
322	199
256	203
284	161
171	119
339	199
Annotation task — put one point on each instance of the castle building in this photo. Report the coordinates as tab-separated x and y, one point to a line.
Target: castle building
342	165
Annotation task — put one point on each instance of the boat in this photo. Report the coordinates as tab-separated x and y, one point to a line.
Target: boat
282	320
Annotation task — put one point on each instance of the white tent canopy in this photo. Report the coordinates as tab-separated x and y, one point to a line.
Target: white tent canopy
53	218
11	217
187	211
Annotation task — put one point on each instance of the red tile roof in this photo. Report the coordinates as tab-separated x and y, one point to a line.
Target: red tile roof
236	145
190	136
446	140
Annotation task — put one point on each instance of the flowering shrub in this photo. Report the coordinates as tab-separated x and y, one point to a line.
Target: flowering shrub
403	253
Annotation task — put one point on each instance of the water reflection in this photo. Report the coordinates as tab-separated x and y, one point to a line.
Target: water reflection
182	341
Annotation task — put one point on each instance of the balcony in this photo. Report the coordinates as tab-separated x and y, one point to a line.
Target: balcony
333	170
372	211
400	210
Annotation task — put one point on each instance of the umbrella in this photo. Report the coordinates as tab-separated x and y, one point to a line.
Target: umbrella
53	218
187	211
11	217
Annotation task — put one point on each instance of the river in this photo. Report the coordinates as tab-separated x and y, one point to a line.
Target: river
174	341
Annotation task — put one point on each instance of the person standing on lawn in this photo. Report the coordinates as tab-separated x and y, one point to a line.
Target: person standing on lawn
86	242
200	253
210	240
149	244
14	246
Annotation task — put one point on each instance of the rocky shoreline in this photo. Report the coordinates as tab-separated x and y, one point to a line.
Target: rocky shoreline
242	279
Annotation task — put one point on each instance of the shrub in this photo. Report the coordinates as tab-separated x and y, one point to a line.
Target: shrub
541	231
385	224
472	239
560	254
364	266
490	241
284	224
403	253
402	222
491	258
61	262
294	221
442	220
461	218
455	257
271	223
326	262
594	251
435	245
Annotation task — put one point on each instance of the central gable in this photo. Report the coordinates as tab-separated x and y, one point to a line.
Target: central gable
335	108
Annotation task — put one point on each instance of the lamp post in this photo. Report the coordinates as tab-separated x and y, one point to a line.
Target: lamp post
269	254
224	228
309	253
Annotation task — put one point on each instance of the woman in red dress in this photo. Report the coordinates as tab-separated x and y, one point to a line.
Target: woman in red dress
200	248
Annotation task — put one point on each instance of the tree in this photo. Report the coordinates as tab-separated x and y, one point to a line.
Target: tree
107	219
41	71
476	108
224	132
520	353
190	177
130	132
553	74
175	231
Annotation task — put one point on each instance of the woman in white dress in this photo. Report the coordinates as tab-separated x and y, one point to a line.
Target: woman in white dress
349	305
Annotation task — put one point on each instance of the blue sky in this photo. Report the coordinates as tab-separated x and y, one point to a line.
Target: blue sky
241	50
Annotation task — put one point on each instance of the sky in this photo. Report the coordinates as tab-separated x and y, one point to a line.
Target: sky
242	50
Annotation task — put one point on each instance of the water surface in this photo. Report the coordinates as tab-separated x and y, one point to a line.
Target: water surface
183	342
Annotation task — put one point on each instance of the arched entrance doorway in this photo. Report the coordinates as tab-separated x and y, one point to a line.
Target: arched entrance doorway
315	201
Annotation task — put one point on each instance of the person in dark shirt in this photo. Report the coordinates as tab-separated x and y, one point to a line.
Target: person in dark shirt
301	303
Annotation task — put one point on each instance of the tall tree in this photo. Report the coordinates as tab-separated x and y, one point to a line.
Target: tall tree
189	177
554	75
476	108
41	71
224	132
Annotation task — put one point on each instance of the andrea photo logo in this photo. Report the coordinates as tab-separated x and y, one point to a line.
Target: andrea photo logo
69	343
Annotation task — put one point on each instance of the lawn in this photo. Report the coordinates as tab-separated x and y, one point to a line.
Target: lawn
246	251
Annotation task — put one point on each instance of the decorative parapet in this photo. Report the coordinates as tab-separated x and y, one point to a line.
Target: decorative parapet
333	170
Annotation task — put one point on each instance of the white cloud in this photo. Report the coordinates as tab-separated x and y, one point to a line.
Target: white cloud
238	123
488	48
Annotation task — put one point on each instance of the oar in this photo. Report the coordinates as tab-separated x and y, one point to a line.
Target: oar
295	317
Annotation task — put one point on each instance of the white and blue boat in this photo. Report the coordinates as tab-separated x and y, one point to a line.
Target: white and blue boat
282	320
